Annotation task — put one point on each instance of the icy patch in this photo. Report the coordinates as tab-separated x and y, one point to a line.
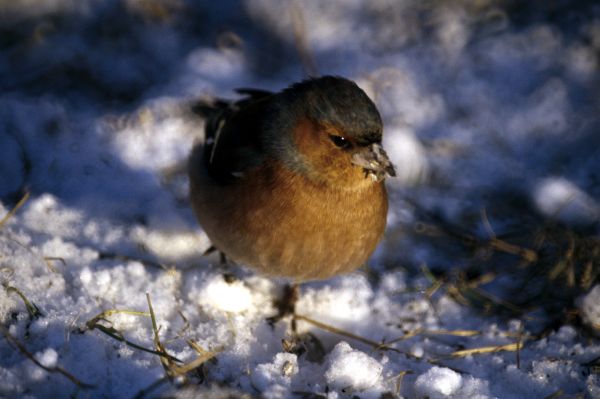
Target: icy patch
351	370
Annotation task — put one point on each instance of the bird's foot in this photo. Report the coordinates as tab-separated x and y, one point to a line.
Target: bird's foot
306	344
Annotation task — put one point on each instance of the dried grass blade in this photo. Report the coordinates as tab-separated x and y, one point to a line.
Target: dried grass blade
15	209
488	349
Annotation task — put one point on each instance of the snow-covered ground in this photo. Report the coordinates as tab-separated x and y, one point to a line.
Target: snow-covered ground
492	117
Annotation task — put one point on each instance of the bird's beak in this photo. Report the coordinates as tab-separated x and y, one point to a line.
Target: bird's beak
374	162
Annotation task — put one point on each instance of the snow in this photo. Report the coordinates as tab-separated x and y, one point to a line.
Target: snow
438	382
229	297
274	379
48	358
590	307
561	199
491	118
351	370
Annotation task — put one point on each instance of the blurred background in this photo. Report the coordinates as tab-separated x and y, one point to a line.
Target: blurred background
489	105
492	116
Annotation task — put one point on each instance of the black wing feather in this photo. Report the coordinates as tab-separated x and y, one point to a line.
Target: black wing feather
232	133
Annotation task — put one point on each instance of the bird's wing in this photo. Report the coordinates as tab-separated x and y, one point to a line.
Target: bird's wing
232	134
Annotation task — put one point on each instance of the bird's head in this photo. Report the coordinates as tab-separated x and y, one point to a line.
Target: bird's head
332	133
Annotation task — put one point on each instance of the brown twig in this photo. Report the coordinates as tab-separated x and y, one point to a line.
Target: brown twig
399	378
335	330
422	331
94	323
177	371
56	369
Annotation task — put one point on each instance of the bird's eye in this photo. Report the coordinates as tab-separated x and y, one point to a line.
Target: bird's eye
340	141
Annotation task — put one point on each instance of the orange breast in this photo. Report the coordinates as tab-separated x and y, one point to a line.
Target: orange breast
280	224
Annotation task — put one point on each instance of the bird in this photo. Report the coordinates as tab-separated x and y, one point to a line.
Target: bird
292	183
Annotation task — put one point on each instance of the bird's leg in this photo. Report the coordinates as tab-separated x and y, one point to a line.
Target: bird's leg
223	262
286	305
209	250
222	256
306	344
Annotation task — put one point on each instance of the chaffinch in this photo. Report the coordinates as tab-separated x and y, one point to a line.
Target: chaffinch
291	184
